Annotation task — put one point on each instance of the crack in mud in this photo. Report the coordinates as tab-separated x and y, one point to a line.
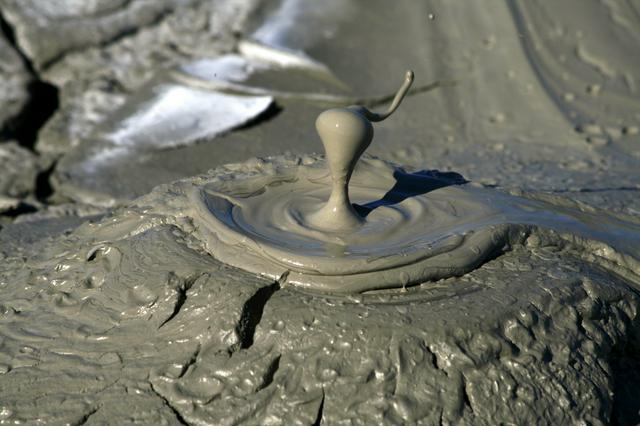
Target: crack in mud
43	97
320	414
19	209
84	419
190	361
465	393
166	402
44	189
434	358
251	315
182	288
43	103
267	378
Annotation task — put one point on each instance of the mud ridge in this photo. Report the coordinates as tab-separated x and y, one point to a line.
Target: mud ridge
465	393
112	40
434	358
182	288
86	417
589	190
267	115
521	25
166	402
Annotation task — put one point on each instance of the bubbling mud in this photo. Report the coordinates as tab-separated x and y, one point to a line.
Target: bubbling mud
417	227
318	228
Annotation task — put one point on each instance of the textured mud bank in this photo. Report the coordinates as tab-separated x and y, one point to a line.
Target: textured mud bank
132	318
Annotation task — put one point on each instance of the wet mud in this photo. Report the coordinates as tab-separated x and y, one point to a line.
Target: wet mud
122	302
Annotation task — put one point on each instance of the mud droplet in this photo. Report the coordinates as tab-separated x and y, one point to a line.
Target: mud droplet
279	325
27	350
141	295
343	345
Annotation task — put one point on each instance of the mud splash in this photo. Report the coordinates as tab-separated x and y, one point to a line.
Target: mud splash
419	226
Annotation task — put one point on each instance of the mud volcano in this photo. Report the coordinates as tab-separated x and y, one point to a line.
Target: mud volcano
227	298
313	226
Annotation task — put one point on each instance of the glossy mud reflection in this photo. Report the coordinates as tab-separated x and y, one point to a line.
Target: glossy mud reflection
419	227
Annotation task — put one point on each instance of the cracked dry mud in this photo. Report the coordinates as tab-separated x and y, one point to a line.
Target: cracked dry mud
123	315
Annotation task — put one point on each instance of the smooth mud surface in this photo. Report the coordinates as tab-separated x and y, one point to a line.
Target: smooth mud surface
417	227
530	96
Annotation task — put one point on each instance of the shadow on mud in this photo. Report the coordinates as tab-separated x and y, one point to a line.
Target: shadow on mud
410	185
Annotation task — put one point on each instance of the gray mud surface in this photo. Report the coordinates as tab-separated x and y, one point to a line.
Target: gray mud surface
115	309
130	319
